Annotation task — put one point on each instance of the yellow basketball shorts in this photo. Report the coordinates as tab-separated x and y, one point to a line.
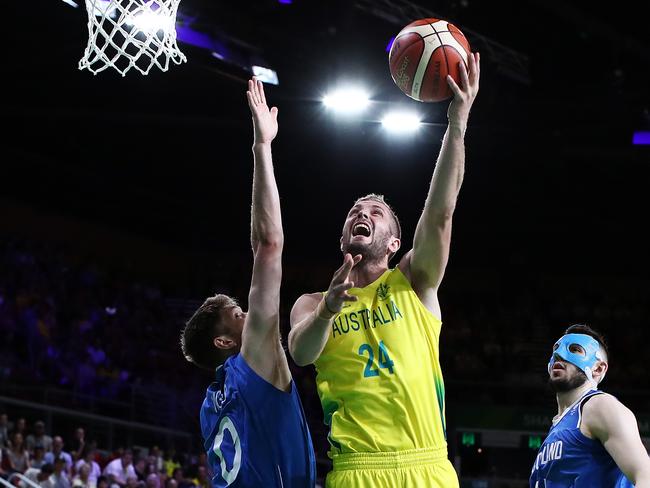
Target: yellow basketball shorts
416	468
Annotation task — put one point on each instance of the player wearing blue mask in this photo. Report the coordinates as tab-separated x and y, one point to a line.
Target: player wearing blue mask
594	441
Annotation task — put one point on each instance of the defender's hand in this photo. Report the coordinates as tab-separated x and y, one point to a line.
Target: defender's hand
265	121
464	95
337	294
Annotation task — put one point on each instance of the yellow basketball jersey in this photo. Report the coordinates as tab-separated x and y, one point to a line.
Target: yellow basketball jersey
379	377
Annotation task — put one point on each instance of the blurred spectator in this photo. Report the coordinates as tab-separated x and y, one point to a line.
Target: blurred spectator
60	477
202	480
40	476
78	443
120	469
39	437
171	462
132	482
153	481
20	427
102	482
4	430
140	467
17	455
88	459
38	459
83	480
158	458
58	452
179	478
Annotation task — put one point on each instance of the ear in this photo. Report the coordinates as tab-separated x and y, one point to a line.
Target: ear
341	242
599	371
394	245
223	342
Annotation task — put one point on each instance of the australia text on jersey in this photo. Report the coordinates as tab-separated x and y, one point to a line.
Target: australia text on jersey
382	314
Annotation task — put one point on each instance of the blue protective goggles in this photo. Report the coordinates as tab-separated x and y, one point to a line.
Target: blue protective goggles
584	362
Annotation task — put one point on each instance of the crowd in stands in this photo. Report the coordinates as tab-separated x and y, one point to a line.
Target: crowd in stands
99	332
29	453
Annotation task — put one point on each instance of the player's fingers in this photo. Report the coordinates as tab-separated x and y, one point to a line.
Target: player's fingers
255	91
274	112
471	69
251	102
478	67
348	262
260	87
341	273
357	258
350	298
454	87
464	77
341	288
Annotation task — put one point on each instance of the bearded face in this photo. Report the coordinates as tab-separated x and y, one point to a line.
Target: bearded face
367	231
565	377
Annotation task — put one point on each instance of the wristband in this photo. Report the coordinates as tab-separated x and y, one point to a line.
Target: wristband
324	308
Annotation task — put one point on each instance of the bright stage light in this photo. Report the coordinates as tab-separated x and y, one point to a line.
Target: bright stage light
148	21
347	100
266	75
401	122
641	138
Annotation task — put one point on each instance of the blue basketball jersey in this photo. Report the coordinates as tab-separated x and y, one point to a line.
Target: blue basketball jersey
255	435
569	459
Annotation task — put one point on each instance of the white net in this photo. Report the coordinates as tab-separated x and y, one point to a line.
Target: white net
126	34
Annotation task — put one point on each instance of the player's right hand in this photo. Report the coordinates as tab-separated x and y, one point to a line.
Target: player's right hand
265	121
337	293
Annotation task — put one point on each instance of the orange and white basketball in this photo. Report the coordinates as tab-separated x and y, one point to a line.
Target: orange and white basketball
423	54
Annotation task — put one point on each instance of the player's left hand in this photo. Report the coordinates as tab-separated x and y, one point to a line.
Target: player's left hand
265	121
464	95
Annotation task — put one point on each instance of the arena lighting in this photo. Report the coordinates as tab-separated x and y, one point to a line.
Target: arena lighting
100	8
641	138
71	3
347	100
390	44
266	75
401	122
148	21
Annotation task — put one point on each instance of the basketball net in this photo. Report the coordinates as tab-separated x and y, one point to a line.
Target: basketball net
126	34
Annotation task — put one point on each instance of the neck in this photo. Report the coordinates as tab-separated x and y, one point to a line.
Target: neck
365	273
568	398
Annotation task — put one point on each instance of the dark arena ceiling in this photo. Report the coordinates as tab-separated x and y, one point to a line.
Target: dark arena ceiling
550	162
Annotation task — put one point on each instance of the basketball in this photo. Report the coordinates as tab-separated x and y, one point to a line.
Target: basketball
423	54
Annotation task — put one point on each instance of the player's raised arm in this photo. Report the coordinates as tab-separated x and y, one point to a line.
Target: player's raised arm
425	264
266	235
613	424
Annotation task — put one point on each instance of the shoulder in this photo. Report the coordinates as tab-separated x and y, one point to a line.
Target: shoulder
602	414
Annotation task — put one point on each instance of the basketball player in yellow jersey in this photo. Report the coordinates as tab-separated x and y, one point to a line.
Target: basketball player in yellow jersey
373	336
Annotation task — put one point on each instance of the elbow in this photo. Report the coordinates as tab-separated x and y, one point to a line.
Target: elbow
442	217
273	242
294	351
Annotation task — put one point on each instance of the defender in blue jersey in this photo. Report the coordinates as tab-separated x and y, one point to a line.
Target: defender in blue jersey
594	441
252	421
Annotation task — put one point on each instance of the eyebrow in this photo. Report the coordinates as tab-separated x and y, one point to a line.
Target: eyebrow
374	205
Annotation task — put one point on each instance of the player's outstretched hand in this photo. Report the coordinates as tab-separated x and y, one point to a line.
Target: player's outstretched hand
465	94
265	121
337	294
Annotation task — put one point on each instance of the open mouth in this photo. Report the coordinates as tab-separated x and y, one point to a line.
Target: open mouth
361	229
